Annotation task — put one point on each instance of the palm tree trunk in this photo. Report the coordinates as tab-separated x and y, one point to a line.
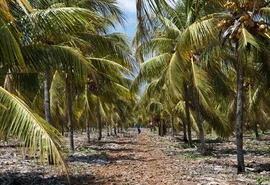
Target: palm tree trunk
115	133
185	132
111	128
256	130
87	129
47	106
107	128
172	126
239	119
98	119
153	124
187	113
199	122
69	113
161	128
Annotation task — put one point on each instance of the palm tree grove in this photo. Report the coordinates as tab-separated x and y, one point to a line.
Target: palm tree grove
185	100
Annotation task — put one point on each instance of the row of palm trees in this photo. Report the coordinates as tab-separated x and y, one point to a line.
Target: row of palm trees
63	55
206	65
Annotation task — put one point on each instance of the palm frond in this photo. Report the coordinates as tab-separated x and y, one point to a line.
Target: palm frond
59	57
107	8
10	51
30	128
245	39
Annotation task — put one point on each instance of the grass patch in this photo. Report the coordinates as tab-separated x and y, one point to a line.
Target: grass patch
261	180
192	156
104	155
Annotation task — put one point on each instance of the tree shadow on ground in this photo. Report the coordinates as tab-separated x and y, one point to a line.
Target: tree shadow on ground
107	149
100	180
258	167
41	179
130	157
103	158
90	159
101	143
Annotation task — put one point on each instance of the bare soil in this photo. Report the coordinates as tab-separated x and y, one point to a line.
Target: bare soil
142	159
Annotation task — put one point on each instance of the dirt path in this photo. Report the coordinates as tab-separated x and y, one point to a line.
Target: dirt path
145	159
136	160
149	159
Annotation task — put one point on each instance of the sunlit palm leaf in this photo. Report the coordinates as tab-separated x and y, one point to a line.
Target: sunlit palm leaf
10	52
30	128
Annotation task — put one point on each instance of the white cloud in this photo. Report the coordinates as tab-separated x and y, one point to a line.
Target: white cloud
128	5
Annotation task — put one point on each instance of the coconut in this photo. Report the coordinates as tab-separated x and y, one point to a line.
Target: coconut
246	17
261	27
242	19
251	23
261	21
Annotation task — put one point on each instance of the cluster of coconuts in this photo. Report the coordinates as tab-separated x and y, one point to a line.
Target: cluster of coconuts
248	4
246	21
231	6
262	26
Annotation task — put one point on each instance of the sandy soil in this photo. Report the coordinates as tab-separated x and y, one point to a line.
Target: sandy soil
142	159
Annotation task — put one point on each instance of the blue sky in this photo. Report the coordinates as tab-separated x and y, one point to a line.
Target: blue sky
129	7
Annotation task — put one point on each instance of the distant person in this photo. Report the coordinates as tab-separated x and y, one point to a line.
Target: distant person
139	128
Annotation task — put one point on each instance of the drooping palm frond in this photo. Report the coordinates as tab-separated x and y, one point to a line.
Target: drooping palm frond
86	103
59	57
144	11
58	96
103	64
10	51
154	47
114	46
56	20
151	70
245	39
199	34
107	8
266	12
30	128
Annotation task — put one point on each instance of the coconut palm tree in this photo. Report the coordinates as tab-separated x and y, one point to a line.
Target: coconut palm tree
176	61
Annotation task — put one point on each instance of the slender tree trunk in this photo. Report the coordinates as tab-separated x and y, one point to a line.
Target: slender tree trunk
107	128
185	131
199	122
161	128
164	128
256	130
98	119
111	128
69	113
153	124
115	132
63	130
172	126
239	119
47	106
187	113
88	129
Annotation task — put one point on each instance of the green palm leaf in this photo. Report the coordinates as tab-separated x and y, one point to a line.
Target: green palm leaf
10	52
30	128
